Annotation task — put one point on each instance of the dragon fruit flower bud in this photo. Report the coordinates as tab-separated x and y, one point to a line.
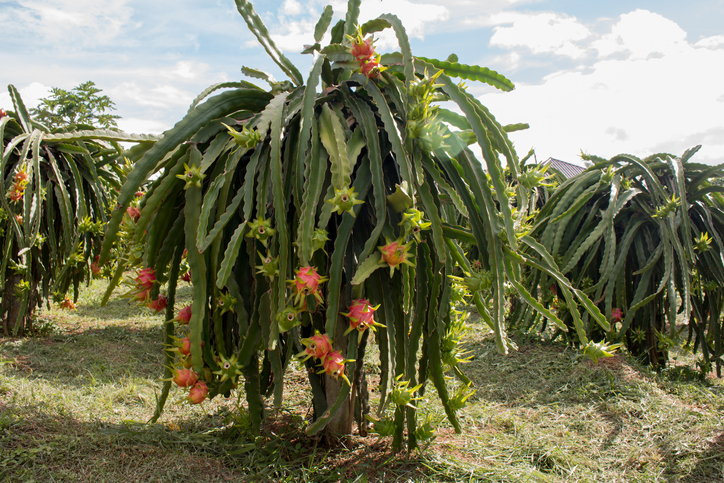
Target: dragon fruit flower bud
345	201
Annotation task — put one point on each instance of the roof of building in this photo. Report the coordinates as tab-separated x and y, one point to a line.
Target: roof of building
566	169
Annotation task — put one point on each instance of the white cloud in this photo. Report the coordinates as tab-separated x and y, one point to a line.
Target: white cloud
67	22
715	42
145	126
649	91
634	106
416	17
292	7
641	34
541	33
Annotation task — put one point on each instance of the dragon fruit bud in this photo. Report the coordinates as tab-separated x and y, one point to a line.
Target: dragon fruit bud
198	393
319	239
226	302
192	176
413	223
269	266
186	277
345	201
318	346
246	138
261	230
287	319
185	377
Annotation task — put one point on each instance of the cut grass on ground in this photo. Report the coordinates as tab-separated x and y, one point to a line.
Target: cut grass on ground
74	404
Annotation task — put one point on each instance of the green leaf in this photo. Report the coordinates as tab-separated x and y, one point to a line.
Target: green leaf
20	110
375	25
472	72
218	106
367	267
323	23
99	135
331	133
351	19
337	53
257	27
221	85
404	42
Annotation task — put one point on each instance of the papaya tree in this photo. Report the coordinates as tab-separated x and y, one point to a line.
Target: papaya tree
318	218
56	192
643	238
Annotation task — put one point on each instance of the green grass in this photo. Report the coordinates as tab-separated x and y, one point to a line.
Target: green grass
75	400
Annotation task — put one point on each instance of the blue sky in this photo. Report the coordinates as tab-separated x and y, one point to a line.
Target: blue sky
600	77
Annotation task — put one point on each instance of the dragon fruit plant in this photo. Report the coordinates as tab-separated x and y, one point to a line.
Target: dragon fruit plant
56	190
312	208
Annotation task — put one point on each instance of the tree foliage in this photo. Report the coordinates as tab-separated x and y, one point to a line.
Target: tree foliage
81	106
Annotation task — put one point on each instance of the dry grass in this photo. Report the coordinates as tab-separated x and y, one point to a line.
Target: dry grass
74	402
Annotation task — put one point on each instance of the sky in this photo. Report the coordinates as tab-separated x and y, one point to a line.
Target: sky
603	78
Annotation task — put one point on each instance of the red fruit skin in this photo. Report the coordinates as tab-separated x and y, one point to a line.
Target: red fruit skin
616	315
184	315
198	393
371	70
322	346
185	377
333	364
185	347
159	304
363	51
133	212
361	315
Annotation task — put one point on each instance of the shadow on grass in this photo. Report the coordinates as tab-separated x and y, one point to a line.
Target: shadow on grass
98	355
43	446
710	466
542	374
121	308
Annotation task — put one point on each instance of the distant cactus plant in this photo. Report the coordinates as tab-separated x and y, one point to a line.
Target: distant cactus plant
309	202
56	189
